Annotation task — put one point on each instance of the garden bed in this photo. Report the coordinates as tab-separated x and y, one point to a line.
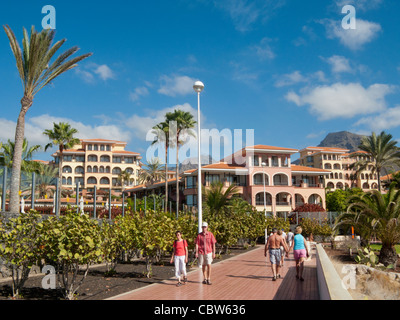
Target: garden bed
97	286
371	283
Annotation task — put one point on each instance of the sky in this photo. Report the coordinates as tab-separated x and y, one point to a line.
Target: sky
288	71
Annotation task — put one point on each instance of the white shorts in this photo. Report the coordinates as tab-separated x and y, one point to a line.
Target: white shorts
205	259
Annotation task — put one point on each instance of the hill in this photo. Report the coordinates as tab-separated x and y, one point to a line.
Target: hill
343	139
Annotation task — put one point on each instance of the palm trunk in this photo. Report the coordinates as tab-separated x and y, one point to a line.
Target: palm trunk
177	176
26	103
60	160
166	178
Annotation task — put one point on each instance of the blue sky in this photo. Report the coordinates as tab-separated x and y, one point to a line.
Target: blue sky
284	68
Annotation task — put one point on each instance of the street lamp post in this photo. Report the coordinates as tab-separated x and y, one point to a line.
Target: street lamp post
198	87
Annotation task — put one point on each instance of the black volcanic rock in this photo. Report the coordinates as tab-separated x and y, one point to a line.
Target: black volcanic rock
343	139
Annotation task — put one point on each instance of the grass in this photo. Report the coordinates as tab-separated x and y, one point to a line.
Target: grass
377	247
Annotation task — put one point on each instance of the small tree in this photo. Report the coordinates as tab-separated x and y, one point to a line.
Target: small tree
69	242
19	247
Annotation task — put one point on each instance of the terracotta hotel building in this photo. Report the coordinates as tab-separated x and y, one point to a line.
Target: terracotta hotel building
98	162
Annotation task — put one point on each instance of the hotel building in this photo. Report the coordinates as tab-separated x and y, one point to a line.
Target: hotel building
98	162
338	161
286	186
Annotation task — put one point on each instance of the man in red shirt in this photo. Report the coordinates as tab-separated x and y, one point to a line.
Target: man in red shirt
205	251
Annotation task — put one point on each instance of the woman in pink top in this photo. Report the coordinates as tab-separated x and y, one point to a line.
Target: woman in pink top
180	256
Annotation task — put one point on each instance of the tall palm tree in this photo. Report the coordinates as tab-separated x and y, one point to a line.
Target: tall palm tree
380	213
152	172
383	153
62	136
36	71
162	135
184	125
216	198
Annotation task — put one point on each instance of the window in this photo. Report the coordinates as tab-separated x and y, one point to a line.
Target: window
102	147
191	182
92	158
191	200
256	161
67	169
80	158
129	170
104	181
67	158
66	181
92	180
89	169
80	170
96	147
90	147
129	160
95	169
274	161
116	171
108	148
105	159
210	178
80	180
117	159
101	169
310	159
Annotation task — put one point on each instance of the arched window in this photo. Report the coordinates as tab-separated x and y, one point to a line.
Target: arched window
80	170
67	169
101	169
104	181
89	169
92	158
105	159
116	170
92	180
258	179
95	169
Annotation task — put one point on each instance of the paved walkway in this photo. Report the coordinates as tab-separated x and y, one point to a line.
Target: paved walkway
245	277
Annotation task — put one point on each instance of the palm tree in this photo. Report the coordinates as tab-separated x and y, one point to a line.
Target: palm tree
62	136
45	178
184	123
124	177
216	198
27	165
161	132
381	214
152	172
382	151
36	71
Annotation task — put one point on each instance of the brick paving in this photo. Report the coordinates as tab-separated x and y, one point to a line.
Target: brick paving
245	277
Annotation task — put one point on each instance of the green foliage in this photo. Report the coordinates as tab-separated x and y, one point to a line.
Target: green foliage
19	247
314	227
278	223
68	242
367	257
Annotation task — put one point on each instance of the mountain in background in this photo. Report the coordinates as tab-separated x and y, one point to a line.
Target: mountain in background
191	163
343	139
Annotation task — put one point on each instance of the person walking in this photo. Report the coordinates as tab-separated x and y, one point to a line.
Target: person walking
300	252
273	245
282	233
180	256
289	239
205	251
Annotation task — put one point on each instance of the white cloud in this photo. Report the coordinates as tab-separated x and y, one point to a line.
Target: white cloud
354	39
339	64
263	50
176	85
91	71
290	79
245	13
104	72
296	77
388	119
363	5
342	100
35	127
138	93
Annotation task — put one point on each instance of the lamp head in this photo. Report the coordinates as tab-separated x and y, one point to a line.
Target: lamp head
198	86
